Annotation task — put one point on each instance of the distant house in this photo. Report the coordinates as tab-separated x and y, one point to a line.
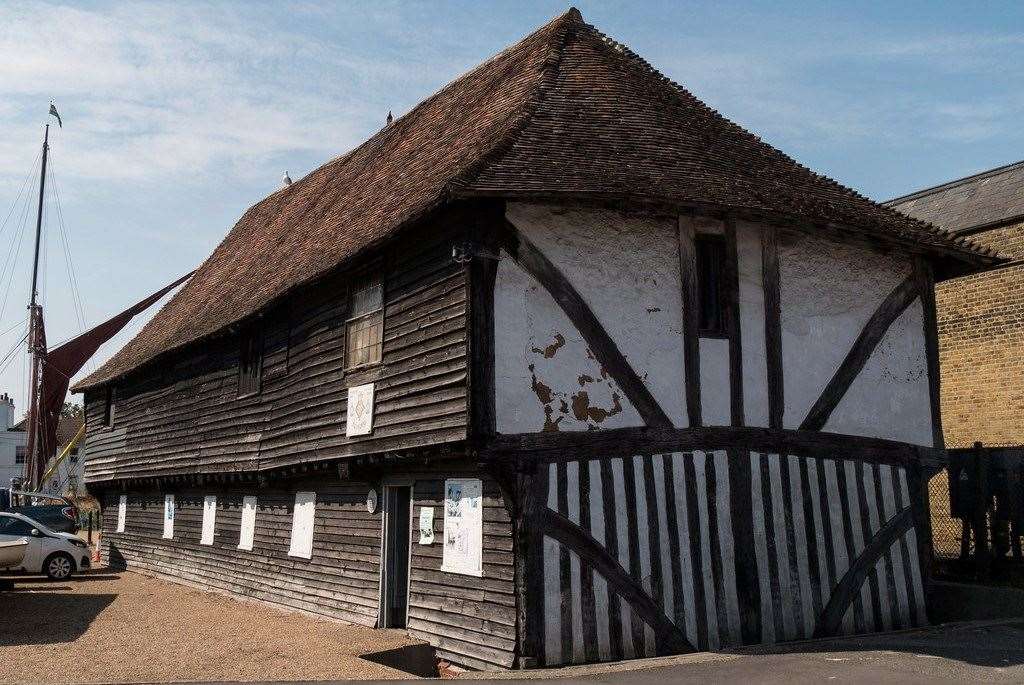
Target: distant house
980	316
13	441
68	476
561	366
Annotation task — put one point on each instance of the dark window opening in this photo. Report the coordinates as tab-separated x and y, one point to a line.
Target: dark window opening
250	362
108	406
19	454
74	456
711	271
364	330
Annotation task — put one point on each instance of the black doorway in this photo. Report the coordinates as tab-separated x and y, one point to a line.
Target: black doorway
395	586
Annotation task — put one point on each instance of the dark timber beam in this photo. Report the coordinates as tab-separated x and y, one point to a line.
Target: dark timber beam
772	324
926	285
623	442
732	289
691	343
535	263
848	587
892	306
668	637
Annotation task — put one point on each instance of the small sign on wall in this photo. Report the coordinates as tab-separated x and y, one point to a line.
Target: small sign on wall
426	525
302	525
359	413
463	527
168	516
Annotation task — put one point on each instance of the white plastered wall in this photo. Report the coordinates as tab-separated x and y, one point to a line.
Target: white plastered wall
626	268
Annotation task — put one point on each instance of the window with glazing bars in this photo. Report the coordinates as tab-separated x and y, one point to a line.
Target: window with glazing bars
19	454
250	362
364	330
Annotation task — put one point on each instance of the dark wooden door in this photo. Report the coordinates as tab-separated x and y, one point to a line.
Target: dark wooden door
396	555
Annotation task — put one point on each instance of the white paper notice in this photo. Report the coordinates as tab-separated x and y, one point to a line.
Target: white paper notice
359	410
302	525
209	519
168	516
463	527
248	531
122	511
426	525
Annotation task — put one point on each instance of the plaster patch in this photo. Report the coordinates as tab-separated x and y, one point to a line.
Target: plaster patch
828	291
626	267
752	336
715	402
546	378
889	398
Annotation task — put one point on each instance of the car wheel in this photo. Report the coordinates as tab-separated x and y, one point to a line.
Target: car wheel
58	566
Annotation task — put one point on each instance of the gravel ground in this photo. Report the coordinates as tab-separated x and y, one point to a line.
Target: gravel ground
125	627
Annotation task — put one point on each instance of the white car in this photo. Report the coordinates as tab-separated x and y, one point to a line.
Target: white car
57	555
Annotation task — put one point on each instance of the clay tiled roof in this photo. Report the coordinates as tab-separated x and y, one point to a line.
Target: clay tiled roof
564	112
985	199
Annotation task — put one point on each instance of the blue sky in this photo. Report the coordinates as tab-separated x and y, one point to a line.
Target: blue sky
178	116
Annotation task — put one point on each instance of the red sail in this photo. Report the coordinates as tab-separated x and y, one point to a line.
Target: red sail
63	362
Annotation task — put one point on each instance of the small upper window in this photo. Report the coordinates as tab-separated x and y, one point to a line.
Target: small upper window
250	362
108	406
710	285
19	454
364	330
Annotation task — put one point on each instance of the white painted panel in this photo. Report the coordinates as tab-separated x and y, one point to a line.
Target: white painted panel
626	267
761	551
715	406
727	544
552	604
122	512
247	531
835	514
209	520
302	525
710	593
686	559
819	530
602	603
545	376
787	587
667	587
572	491
858	537
800	527
168	517
642	525
875	523
889	397
752	336
576	610
885	473
828	291
915	564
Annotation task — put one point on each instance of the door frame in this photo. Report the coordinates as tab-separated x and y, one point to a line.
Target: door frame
387	484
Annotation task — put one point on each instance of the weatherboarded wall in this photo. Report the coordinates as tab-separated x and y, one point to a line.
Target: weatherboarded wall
470	620
182	414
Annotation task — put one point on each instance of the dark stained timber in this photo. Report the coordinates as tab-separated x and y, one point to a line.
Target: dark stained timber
732	288
772	324
535	263
691	343
890	309
926	285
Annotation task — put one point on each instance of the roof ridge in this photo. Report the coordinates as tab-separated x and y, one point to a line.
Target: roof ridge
551	65
995	171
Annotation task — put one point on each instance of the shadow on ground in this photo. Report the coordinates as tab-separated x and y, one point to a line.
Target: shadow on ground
417	660
37	612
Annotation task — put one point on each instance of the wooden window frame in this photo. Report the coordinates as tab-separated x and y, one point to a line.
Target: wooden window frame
250	344
23	456
361	284
107	420
721	330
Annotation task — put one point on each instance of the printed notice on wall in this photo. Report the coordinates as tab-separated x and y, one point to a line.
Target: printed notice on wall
359	411
168	516
426	525
463	527
302	525
122	511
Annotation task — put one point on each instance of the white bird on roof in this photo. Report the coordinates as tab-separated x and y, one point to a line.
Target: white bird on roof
286	180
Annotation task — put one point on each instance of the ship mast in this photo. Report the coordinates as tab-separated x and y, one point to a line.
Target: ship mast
36	460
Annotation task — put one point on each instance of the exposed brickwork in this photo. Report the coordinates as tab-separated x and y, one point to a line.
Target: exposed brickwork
981	348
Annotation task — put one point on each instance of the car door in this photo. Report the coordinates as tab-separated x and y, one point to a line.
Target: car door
12	528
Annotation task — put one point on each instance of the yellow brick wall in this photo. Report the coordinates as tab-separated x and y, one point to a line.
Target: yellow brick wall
981	348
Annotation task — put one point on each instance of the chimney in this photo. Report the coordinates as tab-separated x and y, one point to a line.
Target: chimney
6	411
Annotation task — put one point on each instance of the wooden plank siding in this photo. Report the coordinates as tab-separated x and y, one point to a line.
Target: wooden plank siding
181	415
469	620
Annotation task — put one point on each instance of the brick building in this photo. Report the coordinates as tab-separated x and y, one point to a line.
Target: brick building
981	316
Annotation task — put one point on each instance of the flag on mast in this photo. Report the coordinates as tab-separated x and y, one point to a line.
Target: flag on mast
53	111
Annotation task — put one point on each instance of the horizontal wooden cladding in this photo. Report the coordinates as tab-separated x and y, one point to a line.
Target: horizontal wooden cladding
470	621
547	447
341	579
182	415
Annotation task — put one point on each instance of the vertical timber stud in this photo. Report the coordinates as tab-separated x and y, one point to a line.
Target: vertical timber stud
772	324
485	223
691	351
732	284
748	589
926	285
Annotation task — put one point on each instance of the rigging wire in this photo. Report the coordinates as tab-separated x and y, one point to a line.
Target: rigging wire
12	259
14	204
76	293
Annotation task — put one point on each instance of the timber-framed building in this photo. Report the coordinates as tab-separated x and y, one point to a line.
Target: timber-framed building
561	366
